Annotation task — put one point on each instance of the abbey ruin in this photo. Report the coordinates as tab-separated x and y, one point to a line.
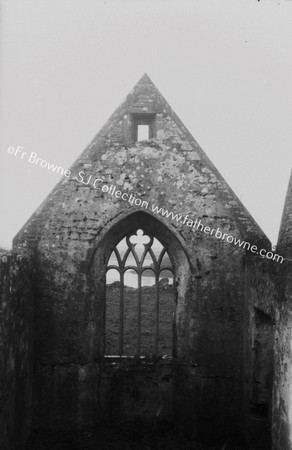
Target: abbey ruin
112	310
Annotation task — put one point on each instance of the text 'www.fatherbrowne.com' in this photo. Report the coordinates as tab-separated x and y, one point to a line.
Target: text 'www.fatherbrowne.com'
217	233
185	220
133	200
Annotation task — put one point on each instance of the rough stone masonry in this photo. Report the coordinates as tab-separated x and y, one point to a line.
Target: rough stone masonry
231	313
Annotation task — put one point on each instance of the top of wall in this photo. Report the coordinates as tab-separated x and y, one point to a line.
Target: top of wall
171	138
285	234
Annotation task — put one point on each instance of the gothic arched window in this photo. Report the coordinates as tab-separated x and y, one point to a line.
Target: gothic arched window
140	298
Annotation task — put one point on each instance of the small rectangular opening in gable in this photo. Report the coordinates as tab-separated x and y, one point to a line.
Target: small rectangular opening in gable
143	132
142	126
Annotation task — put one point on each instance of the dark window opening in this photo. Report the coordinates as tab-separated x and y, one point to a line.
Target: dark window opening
140	299
142	126
262	363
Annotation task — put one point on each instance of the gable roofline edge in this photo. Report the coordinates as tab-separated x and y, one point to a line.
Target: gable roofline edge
195	147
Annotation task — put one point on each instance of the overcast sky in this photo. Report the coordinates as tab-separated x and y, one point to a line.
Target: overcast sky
224	66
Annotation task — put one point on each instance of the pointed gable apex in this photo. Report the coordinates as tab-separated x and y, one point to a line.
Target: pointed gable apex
285	233
168	137
146	99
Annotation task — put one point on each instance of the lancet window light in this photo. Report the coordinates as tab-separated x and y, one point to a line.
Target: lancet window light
140	298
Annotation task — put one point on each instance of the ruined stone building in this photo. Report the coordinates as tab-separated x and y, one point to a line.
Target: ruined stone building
200	336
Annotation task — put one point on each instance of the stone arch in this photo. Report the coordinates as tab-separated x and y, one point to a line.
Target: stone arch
105	244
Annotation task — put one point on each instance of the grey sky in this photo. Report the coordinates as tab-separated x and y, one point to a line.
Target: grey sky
224	66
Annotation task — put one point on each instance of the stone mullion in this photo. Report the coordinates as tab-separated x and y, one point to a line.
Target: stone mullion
121	330
139	309
157	312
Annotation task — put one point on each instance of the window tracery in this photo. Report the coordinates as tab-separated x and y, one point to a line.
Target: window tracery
140	298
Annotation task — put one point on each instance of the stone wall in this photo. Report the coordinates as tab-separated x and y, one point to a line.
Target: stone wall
16	338
210	320
262	295
165	339
282	398
75	231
